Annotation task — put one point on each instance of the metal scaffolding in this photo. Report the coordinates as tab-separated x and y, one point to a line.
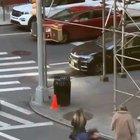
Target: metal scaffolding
120	57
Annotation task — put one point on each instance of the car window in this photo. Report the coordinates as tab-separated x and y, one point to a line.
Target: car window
96	13
64	2
133	42
75	1
64	15
83	17
61	2
136	41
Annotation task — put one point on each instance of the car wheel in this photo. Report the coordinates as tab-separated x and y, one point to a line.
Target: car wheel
34	29
98	69
32	20
65	38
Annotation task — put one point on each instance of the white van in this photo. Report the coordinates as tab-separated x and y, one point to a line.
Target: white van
22	15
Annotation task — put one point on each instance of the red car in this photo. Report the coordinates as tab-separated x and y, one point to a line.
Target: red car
67	25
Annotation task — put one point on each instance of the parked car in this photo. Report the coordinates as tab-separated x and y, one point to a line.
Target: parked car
88	57
132	7
22	15
72	24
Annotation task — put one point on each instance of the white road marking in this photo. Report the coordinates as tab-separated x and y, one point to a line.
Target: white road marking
9	83
3	124
8	136
77	43
56	72
15	118
12	34
3	53
17	63
17	108
26	126
18	69
14	89
10	58
50	80
19	75
31	74
56	64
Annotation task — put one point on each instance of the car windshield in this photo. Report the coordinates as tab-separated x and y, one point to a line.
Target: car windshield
64	15
48	3
109	40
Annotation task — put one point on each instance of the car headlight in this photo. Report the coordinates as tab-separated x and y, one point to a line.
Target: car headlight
90	59
87	59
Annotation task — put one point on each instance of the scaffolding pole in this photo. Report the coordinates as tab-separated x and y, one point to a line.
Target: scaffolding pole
103	78
115	61
123	56
122	74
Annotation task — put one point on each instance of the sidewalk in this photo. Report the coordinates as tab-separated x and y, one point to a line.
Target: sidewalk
7	17
96	98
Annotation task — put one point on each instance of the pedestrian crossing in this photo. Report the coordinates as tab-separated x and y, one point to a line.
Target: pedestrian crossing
14	67
22	122
11	69
3	53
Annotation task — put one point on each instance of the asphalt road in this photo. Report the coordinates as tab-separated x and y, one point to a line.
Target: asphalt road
16	87
18	81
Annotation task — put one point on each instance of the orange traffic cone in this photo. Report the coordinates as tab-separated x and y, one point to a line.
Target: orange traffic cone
54	104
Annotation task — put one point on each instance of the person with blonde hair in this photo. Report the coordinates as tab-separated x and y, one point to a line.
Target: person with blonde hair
78	122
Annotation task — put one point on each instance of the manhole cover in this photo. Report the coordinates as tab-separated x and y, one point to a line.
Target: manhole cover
68	116
21	52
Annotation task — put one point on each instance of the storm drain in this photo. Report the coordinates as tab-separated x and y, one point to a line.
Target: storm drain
68	116
21	53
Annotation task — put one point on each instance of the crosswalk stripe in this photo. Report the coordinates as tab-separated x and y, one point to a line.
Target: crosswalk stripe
50	80
17	63
17	108
15	118
18	69
10	58
56	64
8	136
3	124
56	72
77	43
3	53
19	75
14	34
14	89
26	126
9	83
31	74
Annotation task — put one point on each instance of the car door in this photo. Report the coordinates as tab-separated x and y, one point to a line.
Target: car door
96	22
81	32
133	50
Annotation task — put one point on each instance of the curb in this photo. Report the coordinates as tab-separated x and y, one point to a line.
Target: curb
62	123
